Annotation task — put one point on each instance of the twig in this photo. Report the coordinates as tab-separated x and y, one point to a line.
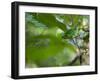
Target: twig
75	42
74	60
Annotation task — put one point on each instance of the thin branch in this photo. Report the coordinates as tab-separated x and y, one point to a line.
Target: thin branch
75	59
79	52
75	42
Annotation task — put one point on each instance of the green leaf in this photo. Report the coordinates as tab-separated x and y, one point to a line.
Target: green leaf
71	33
42	48
49	20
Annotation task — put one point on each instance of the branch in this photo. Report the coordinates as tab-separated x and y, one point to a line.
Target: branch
75	59
75	42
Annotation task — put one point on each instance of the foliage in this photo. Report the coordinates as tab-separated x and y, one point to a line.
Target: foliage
56	39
